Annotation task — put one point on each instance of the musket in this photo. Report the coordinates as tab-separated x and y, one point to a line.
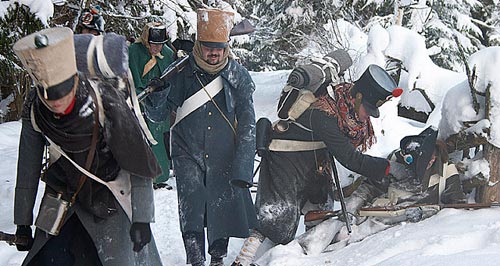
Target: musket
341	196
398	210
12	239
171	70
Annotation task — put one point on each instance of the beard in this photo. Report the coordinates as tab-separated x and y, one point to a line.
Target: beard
213	59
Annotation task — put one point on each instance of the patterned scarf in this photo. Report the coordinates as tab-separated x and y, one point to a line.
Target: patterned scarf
341	106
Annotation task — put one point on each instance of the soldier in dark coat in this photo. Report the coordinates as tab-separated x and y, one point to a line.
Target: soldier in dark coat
213	142
297	168
89	120
420	174
91	21
431	179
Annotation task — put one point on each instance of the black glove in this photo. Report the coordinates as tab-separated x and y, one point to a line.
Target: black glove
240	183
157	84
24	232
140	234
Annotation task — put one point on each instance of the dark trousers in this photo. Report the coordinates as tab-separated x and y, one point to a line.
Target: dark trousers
73	246
194	243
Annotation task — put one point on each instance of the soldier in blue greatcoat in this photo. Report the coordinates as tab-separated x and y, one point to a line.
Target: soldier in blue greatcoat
213	142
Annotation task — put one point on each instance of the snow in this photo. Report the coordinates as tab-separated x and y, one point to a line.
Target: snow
451	237
43	9
420	68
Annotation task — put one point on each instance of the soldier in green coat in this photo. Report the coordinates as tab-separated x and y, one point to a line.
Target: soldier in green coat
149	56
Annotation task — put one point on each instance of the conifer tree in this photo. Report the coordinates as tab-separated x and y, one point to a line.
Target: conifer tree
17	22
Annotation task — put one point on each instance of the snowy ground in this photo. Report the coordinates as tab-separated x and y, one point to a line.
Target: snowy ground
452	237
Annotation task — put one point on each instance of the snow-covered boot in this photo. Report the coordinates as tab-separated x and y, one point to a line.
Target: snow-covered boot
214	261
250	246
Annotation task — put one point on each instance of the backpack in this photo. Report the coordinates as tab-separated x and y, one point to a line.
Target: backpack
106	57
307	82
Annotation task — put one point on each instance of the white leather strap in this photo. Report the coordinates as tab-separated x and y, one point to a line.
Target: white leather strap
120	187
90	57
295	145
198	99
137	110
102	62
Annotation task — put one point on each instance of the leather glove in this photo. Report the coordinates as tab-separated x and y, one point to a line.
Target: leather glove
157	84
140	234
24	232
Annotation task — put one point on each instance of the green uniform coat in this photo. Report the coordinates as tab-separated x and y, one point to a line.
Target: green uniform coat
138	57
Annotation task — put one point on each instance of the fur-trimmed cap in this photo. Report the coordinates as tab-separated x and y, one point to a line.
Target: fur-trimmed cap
214	26
49	57
376	87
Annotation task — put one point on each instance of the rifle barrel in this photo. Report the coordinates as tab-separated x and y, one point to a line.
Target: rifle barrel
172	69
439	206
341	196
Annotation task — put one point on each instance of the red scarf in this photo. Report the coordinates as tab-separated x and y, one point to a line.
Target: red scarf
342	107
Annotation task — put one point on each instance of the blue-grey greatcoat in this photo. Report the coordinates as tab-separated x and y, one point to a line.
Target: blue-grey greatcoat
100	214
206	154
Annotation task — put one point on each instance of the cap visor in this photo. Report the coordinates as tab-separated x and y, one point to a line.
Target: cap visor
58	91
214	44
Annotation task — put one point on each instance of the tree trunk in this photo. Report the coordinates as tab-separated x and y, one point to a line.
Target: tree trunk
491	193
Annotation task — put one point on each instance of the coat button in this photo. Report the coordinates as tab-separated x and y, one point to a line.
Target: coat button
206	156
209	127
209	113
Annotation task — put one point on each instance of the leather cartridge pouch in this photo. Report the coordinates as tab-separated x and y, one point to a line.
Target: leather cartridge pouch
263	136
53	210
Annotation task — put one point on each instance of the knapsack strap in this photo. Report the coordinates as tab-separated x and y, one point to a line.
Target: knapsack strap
96	45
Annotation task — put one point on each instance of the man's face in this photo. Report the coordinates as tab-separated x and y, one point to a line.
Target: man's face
362	113
155	48
212	56
60	105
431	161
